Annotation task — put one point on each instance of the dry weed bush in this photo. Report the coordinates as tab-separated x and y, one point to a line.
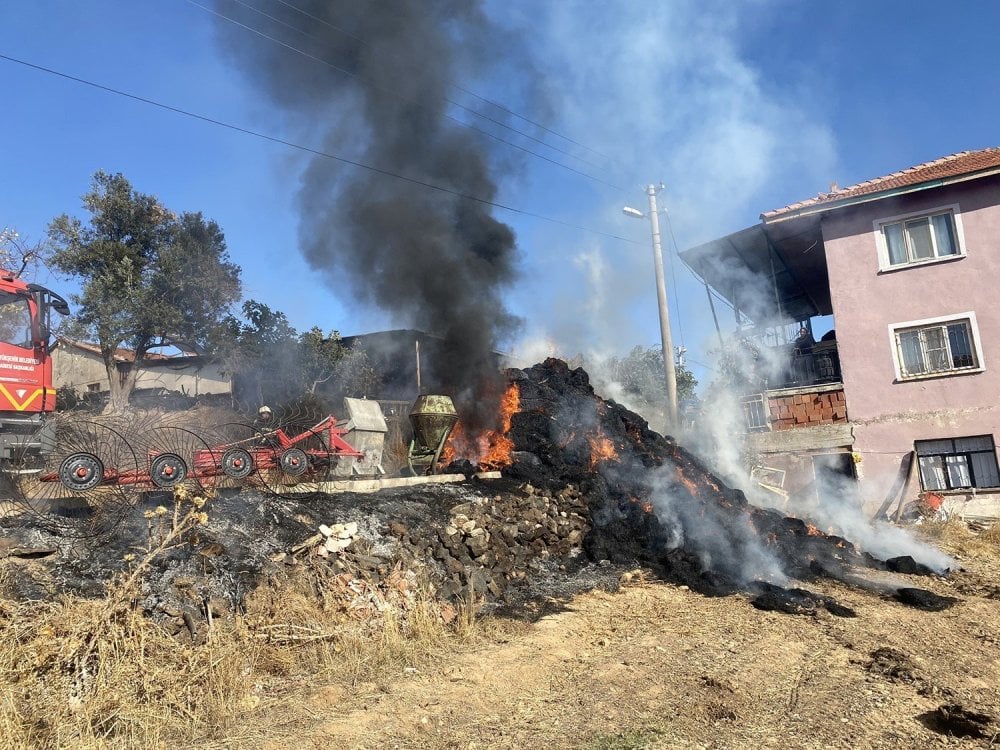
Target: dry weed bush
78	673
955	535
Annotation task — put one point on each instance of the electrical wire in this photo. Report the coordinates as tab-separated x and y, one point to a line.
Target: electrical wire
454	119
473	94
673	274
316	152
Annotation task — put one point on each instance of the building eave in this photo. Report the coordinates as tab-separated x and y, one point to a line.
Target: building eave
769	218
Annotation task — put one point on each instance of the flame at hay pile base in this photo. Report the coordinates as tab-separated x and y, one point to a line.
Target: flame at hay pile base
489	450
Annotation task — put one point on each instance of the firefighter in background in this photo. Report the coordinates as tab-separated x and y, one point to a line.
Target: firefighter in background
264	425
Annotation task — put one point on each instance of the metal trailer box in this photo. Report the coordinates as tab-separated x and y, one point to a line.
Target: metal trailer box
366	429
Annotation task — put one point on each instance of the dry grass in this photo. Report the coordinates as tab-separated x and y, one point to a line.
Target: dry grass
956	536
98	674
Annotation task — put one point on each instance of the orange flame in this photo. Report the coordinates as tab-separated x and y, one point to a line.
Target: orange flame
490	449
690	484
456	438
646	505
601	449
812	530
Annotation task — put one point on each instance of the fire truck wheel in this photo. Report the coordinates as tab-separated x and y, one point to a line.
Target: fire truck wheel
81	471
237	463
167	470
294	462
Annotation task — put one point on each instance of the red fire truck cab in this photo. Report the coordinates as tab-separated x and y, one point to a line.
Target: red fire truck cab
26	342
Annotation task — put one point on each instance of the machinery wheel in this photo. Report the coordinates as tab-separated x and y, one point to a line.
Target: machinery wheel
83	483
293	462
81	471
237	463
167	470
192	458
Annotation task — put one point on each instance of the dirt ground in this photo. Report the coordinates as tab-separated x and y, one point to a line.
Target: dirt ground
657	666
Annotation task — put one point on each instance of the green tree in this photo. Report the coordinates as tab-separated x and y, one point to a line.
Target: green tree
260	352
149	278
641	377
641	374
321	355
273	364
333	369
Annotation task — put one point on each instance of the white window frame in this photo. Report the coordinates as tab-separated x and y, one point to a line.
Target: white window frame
883	248
977	346
748	403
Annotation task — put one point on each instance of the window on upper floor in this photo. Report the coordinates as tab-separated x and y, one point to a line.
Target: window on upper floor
918	239
937	347
956	463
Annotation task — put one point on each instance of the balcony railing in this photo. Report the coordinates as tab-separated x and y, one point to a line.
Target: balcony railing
819	366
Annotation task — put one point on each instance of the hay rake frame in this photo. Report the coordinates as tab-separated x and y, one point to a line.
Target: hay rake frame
310	453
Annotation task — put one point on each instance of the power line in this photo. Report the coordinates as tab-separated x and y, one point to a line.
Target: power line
315	152
473	94
691	271
454	119
673	274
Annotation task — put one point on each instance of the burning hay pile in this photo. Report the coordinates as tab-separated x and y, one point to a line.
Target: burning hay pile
654	503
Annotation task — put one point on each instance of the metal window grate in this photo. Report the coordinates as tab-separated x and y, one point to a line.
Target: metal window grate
755	414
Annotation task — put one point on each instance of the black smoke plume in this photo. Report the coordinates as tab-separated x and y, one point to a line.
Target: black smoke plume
434	260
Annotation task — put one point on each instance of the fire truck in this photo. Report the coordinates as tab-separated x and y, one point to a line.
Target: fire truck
26	343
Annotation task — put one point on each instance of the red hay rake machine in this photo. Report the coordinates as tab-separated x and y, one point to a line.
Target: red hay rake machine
99	460
275	451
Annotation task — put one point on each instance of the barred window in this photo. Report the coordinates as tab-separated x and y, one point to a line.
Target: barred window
936	348
755	414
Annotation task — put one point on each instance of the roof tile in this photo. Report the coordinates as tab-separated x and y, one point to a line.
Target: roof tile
962	163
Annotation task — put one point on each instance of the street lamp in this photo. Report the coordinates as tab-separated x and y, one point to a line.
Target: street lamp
661	297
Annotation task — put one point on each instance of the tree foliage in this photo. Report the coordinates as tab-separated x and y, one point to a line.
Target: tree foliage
258	352
273	364
149	277
20	255
640	375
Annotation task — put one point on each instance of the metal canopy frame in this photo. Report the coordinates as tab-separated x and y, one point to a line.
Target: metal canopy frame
769	273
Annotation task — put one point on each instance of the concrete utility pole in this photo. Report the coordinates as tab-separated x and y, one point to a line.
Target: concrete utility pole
661	298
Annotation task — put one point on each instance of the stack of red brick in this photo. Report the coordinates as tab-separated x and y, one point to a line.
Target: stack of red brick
807	410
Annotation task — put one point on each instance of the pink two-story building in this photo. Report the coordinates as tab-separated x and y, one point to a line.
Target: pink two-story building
896	379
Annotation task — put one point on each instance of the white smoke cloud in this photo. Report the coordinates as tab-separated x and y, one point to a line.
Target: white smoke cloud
734	549
836	507
665	92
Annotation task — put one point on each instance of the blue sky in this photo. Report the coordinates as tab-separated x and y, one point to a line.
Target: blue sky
737	107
